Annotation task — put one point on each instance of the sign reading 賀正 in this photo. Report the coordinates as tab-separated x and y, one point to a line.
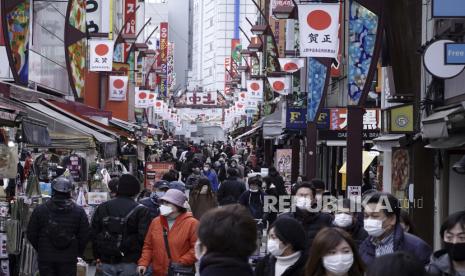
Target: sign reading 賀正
296	118
448	8
454	53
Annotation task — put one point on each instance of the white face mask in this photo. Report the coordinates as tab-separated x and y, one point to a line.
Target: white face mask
165	210
342	220
374	227
338	264
274	248
303	203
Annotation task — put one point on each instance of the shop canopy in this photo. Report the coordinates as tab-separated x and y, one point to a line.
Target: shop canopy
455	141
273	124
249	133
367	158
437	124
388	141
130	127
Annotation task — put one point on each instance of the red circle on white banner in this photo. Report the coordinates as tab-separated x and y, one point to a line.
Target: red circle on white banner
255	86
319	20
142	95
290	66
118	84
278	85
101	49
240	105
158	104
151	96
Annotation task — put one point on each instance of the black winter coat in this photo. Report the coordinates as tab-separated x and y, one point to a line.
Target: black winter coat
152	204
312	223
214	264
357	232
137	226
266	267
278	182
230	191
66	214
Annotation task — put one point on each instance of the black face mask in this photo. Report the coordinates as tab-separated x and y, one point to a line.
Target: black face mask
456	251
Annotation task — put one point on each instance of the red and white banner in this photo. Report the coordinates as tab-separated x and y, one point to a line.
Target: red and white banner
291	65
319	28
281	85
129	10
151	101
101	55
255	89
164	47
158	107
142	98
117	88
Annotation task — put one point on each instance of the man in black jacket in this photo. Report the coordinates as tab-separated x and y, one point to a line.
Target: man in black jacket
134	218
152	202
231	189
58	230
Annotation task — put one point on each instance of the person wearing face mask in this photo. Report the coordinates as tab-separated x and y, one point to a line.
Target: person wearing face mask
231	189
334	253
450	261
382	223
308	213
286	241
180	227
194	177
348	221
202	198
254	198
234	164
152	202
211	175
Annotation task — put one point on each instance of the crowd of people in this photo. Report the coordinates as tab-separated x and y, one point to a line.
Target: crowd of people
207	218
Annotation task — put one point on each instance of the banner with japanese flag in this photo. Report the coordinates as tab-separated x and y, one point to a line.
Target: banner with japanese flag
158	107
142	98
101	55
281	85
255	89
240	108
151	101
319	29
291	65
117	88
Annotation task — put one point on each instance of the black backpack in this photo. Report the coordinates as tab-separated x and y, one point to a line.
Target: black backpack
58	236
113	232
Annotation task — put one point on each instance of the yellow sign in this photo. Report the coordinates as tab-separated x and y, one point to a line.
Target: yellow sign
402	119
367	158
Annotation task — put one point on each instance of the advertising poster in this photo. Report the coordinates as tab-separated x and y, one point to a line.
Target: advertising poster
283	163
154	172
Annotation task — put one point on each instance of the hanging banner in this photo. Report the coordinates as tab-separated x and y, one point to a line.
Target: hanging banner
118	86
129	10
291	65
151	99
316	76
255	86
101	55
235	55
158	107
227	76
98	16
296	118
142	98
164	47
319	28
280	85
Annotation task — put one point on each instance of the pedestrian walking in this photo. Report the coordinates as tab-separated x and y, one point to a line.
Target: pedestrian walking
118	230
254	198
275	183
348	220
386	235
227	238
334	252
398	263
231	189
169	244
210	173
193	178
152	202
202	198
286	247
58	230
450	261
307	213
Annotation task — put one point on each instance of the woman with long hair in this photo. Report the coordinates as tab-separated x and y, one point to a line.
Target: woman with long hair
333	253
202	198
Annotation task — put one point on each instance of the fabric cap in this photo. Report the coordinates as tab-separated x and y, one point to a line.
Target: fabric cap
162	184
128	185
290	231
175	197
178	185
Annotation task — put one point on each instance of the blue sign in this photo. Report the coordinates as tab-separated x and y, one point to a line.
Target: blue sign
323	120
454	53
296	118
448	8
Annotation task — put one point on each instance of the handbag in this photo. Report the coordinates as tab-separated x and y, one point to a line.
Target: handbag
175	269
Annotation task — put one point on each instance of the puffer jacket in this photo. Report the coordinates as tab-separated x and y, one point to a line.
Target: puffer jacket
181	237
67	214
440	265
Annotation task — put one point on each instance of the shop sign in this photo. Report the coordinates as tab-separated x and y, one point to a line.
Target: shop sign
98	16
118	87
227	77
434	60
336	119
296	118
205	98
402	119
283	163
328	135
129	14
319	29
164	46
101	55
448	8
455	53
154	171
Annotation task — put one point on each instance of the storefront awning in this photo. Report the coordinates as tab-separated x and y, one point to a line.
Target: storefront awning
436	125
273	125
124	125
248	133
388	141
455	141
35	133
367	158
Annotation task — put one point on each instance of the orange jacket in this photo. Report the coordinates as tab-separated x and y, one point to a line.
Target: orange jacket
181	237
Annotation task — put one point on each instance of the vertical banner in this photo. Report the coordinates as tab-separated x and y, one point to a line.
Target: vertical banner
101	55
316	75
227	77
164	46
278	27
283	163
335	66
236	49
319	28
170	67
98	16
142	98
118	86
130	16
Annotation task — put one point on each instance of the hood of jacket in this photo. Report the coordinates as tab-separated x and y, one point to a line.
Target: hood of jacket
440	262
216	261
60	205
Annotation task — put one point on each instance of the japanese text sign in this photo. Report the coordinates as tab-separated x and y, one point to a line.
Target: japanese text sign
118	86
101	55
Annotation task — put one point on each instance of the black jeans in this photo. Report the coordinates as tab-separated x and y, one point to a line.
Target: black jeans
57	269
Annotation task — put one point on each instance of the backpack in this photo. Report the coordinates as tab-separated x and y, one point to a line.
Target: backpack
113	232
58	236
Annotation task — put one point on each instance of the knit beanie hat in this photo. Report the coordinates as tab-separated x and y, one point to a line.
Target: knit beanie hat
128	186
290	231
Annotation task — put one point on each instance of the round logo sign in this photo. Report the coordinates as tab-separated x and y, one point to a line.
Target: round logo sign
101	49
319	20
402	120
434	60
